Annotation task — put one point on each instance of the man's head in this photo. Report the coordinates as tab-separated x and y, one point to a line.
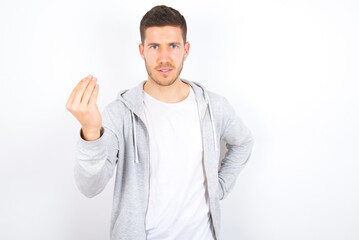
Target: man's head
160	16
163	44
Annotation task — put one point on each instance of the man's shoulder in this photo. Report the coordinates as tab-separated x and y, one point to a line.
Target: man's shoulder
221	106
115	108
217	99
215	95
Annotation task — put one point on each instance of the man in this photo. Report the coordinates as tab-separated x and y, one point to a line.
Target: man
163	136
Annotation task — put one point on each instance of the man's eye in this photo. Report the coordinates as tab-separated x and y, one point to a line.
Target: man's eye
154	47
173	46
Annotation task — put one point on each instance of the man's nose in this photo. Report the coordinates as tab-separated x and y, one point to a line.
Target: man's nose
163	55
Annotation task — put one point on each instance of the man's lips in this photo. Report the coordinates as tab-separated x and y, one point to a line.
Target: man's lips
164	70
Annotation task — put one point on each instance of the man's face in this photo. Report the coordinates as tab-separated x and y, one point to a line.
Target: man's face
164	53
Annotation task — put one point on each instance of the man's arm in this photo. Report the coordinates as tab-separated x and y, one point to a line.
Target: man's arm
239	142
97	147
96	160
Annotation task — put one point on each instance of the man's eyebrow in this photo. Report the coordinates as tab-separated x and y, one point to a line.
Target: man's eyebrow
155	43
152	43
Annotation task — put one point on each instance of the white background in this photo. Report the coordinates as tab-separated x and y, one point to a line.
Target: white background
290	69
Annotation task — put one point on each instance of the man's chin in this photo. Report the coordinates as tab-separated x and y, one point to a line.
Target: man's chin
164	81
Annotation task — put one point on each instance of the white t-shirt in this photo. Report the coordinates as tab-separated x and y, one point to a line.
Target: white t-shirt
178	201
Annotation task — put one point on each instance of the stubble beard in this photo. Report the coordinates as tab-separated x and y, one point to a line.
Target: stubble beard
153	78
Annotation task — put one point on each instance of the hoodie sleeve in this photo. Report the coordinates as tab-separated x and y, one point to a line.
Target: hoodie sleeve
95	160
239	143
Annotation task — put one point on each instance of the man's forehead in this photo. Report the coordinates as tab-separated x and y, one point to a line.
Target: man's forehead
163	35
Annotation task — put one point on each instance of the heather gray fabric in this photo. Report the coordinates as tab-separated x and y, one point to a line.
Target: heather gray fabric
124	145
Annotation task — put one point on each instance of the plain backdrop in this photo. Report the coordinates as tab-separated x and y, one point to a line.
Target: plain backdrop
289	68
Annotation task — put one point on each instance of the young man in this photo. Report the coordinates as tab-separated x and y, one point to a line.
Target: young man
163	137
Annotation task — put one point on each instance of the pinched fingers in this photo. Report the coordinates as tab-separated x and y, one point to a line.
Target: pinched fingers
80	90
73	93
94	95
88	92
77	93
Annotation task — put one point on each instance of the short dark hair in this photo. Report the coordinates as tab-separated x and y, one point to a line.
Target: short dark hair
162	15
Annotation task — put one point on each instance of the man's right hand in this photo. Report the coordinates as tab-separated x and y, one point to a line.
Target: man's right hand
82	104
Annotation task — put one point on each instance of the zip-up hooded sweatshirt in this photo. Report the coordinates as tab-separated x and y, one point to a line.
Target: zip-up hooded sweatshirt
124	145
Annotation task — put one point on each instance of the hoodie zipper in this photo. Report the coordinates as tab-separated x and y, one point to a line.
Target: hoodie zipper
205	172
148	171
148	182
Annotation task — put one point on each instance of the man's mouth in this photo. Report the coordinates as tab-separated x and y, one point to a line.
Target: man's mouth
165	70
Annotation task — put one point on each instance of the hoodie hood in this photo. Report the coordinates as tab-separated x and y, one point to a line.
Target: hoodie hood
133	100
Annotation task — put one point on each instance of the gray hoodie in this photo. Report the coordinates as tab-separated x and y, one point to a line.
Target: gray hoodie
124	145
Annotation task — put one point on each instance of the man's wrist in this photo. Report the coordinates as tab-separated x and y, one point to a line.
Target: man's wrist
91	135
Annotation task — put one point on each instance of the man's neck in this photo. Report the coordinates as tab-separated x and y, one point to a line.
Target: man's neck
174	93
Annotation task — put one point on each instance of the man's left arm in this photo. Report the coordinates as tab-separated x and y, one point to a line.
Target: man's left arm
239	143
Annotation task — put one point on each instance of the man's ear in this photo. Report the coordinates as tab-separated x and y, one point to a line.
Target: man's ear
186	49
140	48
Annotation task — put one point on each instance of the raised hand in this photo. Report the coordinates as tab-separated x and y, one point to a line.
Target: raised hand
82	104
